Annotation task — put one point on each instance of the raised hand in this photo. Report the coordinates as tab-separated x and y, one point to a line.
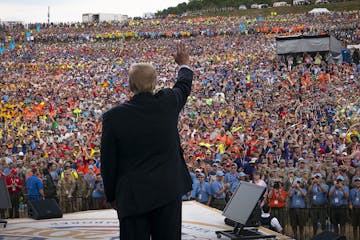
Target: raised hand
182	54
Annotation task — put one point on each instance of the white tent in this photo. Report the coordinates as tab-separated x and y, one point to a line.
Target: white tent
319	11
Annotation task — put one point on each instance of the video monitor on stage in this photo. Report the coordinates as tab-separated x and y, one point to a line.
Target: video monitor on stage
243	202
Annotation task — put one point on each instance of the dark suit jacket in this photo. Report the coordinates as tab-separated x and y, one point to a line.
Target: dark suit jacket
142	163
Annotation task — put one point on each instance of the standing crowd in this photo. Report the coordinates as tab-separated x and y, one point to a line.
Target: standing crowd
290	123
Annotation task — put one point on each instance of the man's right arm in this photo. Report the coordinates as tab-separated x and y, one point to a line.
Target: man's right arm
182	88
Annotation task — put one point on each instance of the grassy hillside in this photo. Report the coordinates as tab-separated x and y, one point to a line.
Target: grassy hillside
338	6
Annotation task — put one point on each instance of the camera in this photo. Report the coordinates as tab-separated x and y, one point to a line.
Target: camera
276	185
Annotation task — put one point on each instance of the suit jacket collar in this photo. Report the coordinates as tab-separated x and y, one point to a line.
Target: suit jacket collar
142	95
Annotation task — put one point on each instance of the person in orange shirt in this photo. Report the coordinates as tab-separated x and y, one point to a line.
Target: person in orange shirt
90	162
225	138
277	202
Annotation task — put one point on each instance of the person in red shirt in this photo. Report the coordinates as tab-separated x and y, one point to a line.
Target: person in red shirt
14	186
277	201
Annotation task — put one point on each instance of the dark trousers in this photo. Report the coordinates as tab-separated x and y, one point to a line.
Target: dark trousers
15	201
161	223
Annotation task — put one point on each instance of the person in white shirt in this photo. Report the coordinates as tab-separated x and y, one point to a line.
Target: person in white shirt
269	221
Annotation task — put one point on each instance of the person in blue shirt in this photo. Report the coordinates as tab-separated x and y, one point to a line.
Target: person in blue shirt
34	186
232	175
338	196
195	183
98	193
297	211
203	190
234	185
218	191
318	191
355	207
187	196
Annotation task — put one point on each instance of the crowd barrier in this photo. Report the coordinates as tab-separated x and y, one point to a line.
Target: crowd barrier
303	218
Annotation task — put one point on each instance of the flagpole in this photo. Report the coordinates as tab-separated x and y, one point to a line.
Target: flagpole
48	15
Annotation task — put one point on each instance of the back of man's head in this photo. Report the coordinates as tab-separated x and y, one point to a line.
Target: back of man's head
142	78
266	208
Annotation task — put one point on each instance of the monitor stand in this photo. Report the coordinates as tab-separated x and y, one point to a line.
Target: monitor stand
240	232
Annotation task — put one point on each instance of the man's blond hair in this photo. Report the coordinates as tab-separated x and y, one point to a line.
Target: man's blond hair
142	78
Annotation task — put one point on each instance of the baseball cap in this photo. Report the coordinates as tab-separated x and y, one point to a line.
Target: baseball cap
357	179
202	175
298	180
242	174
219	173
215	165
340	178
13	171
318	175
253	160
21	154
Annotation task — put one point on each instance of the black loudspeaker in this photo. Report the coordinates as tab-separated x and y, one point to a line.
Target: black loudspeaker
326	235
45	209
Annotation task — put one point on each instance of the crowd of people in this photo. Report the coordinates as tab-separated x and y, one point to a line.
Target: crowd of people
289	123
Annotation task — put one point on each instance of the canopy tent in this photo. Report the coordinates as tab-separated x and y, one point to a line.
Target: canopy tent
319	11
309	44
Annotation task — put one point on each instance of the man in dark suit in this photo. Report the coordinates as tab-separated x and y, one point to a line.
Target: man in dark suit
142	162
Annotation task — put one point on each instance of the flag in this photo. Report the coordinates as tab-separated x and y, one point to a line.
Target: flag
28	35
2	50
38	28
242	27
260	18
12	45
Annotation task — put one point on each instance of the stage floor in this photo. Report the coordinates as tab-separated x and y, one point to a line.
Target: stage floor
199	223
